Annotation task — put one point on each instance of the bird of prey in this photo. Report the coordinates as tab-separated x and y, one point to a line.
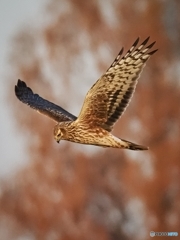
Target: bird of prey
103	105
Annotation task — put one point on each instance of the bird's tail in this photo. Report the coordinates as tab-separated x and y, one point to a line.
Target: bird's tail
133	146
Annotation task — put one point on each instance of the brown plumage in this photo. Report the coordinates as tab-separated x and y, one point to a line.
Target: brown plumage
103	105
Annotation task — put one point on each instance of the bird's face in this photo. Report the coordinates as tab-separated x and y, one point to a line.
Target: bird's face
59	133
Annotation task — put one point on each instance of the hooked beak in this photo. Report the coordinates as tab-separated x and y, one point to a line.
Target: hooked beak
58	141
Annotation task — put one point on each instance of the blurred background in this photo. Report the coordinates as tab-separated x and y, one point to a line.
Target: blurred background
70	191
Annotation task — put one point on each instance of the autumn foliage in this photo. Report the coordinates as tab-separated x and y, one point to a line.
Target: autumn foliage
74	192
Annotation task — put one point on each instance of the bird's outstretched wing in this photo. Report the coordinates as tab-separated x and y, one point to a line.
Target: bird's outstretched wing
26	95
109	96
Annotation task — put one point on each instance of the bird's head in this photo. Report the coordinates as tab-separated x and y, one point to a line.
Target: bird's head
59	133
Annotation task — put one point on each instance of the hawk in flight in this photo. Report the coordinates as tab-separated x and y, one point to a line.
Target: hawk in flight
103	105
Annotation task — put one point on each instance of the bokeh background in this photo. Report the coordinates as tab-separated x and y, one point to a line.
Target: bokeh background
70	191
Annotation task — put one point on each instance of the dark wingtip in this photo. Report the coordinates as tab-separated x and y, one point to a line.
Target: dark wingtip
138	147
136	42
133	146
121	51
152	44
20	88
145	41
16	89
21	83
152	52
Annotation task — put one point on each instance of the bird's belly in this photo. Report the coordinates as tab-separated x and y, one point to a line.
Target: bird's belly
97	137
